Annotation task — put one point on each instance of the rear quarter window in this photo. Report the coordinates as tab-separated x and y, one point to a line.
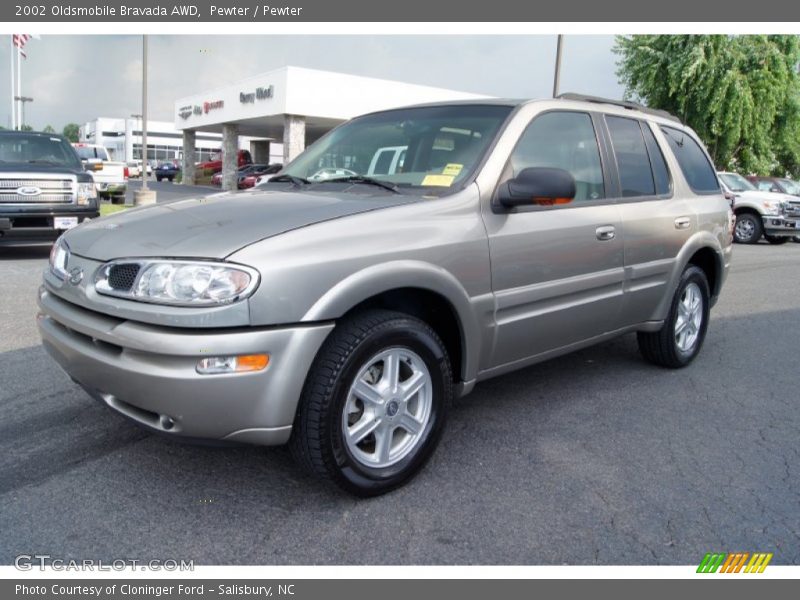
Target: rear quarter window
696	168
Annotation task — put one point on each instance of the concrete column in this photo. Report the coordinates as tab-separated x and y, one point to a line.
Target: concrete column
260	151
230	150
294	137
189	176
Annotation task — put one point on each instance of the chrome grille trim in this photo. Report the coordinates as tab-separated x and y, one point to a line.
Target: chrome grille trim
54	189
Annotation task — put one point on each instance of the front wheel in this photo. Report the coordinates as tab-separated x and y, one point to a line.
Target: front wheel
679	340
374	404
748	228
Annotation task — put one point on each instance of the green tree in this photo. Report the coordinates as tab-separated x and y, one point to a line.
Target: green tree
70	131
26	127
741	94
48	129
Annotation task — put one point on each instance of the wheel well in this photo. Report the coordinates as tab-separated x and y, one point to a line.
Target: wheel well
746	209
427	306
706	259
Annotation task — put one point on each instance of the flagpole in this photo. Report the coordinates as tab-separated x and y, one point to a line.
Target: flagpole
13	102
19	87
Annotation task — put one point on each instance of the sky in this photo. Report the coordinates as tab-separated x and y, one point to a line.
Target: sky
81	77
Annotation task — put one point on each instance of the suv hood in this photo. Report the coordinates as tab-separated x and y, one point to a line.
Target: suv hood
756	195
215	226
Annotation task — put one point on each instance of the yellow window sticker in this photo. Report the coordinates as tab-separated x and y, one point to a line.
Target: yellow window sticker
440	180
452	169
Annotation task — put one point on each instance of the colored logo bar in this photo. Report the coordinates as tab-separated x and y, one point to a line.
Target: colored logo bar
734	562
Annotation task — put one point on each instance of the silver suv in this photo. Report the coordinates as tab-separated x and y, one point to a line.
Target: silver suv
343	312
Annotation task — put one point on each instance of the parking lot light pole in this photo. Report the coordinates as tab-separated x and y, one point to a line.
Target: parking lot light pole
144	195
22	100
557	75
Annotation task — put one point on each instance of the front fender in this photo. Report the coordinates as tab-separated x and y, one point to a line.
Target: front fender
384	277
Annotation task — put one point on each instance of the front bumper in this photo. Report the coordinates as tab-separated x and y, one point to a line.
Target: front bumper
147	373
33	227
779	225
111	188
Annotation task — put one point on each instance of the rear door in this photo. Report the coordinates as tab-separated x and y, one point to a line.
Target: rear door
658	212
557	271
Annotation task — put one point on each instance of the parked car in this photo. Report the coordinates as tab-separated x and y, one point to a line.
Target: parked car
344	316
110	176
135	168
251	177
243	158
168	171
780	185
774	215
44	188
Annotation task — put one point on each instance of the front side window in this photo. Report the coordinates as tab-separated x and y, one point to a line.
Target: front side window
696	168
430	150
563	140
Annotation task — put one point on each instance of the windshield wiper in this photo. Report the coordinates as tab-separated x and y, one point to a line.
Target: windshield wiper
298	181
42	162
367	180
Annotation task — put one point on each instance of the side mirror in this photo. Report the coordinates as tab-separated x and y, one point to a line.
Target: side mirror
538	185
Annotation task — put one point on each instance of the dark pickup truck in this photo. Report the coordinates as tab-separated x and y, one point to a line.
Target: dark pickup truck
44	188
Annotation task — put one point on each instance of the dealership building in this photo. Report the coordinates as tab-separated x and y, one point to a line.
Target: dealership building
285	110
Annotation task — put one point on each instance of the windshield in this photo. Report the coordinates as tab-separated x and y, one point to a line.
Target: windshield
736	183
34	148
92	152
791	187
427	149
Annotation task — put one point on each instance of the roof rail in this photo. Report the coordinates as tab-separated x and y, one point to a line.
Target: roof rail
623	103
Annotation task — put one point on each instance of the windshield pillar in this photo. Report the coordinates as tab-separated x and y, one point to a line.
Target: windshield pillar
294	137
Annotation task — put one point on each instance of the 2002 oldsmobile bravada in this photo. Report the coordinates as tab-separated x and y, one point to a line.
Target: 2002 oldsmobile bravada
342	312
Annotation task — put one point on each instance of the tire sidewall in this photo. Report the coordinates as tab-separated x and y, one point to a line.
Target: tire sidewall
402	333
690	275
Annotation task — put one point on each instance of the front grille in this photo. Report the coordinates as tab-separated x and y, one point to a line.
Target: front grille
51	191
793	209
122	276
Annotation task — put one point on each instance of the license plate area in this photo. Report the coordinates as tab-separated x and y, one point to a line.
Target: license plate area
64	222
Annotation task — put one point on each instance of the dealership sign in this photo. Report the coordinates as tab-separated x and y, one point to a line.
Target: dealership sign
262	93
184	112
213	105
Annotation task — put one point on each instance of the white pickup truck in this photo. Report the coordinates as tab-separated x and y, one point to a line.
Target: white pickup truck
110	177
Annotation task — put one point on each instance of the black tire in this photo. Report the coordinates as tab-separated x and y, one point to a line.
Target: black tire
776	240
318	440
755	227
661	347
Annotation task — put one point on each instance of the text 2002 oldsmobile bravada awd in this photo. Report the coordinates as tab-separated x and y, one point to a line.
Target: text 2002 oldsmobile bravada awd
341	311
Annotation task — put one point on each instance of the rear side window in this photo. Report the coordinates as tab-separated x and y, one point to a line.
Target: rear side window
633	162
694	164
660	171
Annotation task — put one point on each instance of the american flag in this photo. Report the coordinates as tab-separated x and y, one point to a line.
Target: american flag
20	39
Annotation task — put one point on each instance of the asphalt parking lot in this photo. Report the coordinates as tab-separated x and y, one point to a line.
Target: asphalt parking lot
593	458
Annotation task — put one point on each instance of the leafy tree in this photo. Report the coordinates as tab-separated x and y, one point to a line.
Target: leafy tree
741	94
48	129
71	131
26	127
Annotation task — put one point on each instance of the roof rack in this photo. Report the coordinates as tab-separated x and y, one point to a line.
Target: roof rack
622	103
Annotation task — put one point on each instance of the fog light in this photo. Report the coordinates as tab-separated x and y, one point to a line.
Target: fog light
233	364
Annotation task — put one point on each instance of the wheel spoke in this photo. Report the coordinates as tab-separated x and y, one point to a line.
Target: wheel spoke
680	325
362	428
383	446
411	386
391	370
367	393
410	423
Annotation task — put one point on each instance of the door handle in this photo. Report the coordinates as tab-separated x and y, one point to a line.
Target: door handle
683	223
607	232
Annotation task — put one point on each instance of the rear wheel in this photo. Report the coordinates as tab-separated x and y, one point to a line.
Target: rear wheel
679	341
374	404
748	228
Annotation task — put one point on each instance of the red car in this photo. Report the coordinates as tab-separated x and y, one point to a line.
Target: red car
243	158
250	179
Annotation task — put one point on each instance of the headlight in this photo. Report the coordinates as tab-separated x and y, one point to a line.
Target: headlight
86	192
772	206
184	283
58	258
